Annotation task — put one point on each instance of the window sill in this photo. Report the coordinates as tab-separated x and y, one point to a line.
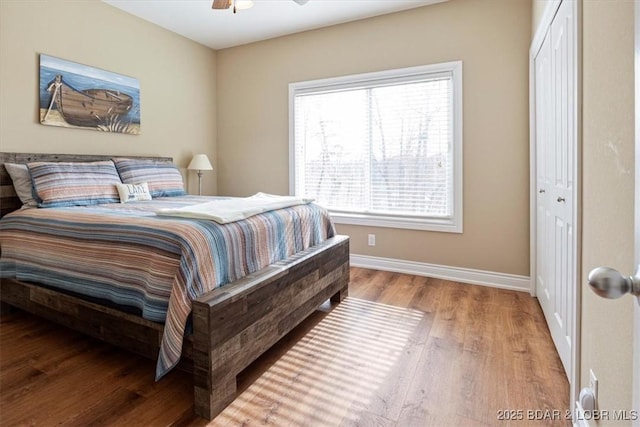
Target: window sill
447	225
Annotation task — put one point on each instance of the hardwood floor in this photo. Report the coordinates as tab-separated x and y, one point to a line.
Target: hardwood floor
400	351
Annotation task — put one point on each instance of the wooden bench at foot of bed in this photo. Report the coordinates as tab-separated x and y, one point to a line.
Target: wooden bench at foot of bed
232	325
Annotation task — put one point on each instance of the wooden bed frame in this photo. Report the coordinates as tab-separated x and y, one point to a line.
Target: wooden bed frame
232	325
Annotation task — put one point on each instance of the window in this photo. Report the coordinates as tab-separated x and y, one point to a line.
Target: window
381	149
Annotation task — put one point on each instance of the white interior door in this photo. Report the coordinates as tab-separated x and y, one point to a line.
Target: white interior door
556	145
544	177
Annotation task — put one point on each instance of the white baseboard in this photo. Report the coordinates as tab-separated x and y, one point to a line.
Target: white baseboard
465	275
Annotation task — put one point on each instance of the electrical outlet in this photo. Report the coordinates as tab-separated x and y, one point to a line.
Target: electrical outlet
593	385
372	239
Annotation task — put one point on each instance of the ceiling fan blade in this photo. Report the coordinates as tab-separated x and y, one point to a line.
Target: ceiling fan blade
301	2
221	4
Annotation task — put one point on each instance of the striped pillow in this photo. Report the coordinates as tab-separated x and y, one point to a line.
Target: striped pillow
58	184
163	177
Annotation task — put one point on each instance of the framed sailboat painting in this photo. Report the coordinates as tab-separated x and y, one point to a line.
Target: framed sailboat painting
79	96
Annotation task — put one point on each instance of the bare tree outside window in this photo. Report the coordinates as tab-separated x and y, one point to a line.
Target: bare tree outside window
383	149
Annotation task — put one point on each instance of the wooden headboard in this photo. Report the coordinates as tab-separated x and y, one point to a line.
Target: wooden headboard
9	202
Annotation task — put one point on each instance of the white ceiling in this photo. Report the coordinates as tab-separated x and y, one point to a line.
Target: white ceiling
219	29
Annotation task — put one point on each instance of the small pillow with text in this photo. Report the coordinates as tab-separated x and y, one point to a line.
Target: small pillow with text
133	192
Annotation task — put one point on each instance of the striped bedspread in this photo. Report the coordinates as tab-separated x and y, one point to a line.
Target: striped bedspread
126	254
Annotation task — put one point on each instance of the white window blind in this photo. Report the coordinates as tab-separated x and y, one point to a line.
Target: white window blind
379	147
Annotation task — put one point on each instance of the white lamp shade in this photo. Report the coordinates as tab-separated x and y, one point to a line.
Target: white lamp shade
200	162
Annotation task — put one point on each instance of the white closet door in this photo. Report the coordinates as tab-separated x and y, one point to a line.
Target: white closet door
544	173
555	158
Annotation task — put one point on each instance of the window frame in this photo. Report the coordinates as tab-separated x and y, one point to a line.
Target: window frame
452	224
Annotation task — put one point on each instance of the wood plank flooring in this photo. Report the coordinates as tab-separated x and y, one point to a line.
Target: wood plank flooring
400	351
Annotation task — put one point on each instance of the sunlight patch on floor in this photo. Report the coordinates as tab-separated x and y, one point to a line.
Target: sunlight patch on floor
333	372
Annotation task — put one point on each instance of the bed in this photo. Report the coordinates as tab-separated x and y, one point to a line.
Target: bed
231	325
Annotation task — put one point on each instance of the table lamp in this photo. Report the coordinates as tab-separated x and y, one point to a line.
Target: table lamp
200	162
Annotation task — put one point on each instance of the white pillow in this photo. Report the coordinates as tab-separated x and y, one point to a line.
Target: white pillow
22	183
133	192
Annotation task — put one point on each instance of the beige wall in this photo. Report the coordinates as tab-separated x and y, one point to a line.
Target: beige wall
608	193
176	75
490	37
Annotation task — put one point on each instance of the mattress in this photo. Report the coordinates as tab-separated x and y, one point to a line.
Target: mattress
128	255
